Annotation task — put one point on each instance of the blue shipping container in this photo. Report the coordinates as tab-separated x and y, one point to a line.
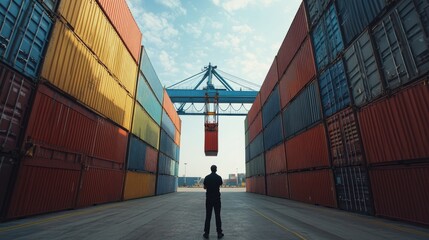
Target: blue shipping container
168	125
10	14
273	133
149	73
320	46
136	154
177	154
166	184
303	112
334	89
271	107
165	164
247	153
355	16
257	145
315	9
256	166
167	146
148	100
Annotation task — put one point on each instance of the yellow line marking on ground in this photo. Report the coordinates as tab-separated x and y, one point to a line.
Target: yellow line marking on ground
278	224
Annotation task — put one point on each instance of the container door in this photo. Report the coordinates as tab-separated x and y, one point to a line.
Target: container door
10	12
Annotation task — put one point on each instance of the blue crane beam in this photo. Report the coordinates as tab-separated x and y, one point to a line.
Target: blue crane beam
200	96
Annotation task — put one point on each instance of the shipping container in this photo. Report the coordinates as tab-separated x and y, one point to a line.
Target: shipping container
402	44
334	89
277	186
70	66
15	95
166	165
257	184
256	166
271	107
145	127
25	26
92	27
345	141
50	4
138	185
246	138
257	146
167	145
308	149
273	133
395	128
7	176
315	187
167	125
255	109
211	139
256	127
141	157
302	112
166	184
148	100
400	192
315	9
177	137
327	38
122	19
270	81
353	190
150	75
275	160
295	36
300	71
169	107
247	154
355	16
362	70
151	159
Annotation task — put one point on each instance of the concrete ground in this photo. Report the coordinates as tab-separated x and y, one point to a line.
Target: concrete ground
181	216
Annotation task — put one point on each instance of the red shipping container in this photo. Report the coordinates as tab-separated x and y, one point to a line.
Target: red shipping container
211	139
344	136
277	186
250	185
255	109
401	192
396	128
308	150
123	21
315	187
151	159
295	36
256	127
275	160
300	71
260	185
15	95
270	81
111	142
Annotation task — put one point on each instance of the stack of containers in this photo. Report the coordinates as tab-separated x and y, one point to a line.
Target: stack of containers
143	147
168	161
25	27
75	144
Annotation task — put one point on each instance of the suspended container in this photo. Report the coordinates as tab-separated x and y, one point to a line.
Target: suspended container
211	139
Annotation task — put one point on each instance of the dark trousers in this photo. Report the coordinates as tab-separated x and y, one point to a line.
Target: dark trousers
210	204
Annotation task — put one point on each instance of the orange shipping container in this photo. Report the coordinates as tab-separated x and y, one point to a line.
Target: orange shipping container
139	185
171	110
93	27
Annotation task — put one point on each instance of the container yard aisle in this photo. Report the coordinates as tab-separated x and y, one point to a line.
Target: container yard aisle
181	216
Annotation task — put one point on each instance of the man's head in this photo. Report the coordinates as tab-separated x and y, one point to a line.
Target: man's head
213	168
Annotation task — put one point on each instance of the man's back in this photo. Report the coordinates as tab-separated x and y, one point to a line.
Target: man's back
212	182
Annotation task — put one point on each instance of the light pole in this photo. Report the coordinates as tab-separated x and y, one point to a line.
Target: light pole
185	173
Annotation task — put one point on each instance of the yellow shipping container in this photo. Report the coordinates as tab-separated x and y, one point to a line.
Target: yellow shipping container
145	127
139	185
91	24
70	66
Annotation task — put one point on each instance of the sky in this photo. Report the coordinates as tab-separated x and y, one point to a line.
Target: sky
240	37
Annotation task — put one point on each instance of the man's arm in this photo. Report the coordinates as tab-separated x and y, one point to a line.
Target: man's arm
205	186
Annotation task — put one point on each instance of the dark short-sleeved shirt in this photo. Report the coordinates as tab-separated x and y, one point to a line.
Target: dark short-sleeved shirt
212	183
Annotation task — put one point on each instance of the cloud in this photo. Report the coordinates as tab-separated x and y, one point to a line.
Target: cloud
242	29
168	62
175	5
233	5
157	29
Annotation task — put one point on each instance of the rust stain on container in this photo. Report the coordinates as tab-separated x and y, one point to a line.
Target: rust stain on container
138	185
270	81
277	186
275	159
396	128
308	150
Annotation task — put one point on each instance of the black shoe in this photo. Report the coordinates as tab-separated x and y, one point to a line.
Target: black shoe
220	235
206	235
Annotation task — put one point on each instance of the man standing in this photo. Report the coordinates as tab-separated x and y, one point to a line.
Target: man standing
212	182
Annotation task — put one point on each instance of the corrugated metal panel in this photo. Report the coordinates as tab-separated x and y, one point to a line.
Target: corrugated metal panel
15	94
296	34
177	137
362	70
275	160
396	129
334	89
256	127
257	146
148	100
171	111
353	190
167	145
246	138
99	185
7	167
145	128
50	4
70	66
94	29
151	159
401	192
255	109
320	46
302	112
256	166
301	70
315	9
211	139
307	150
151	76
166	165
110	142
166	184
167	125
344	136
33	24
271	107
270	81
315	187
136	154
277	186
402	45
122	19
273	133
260	185
247	153
354	16
138	185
